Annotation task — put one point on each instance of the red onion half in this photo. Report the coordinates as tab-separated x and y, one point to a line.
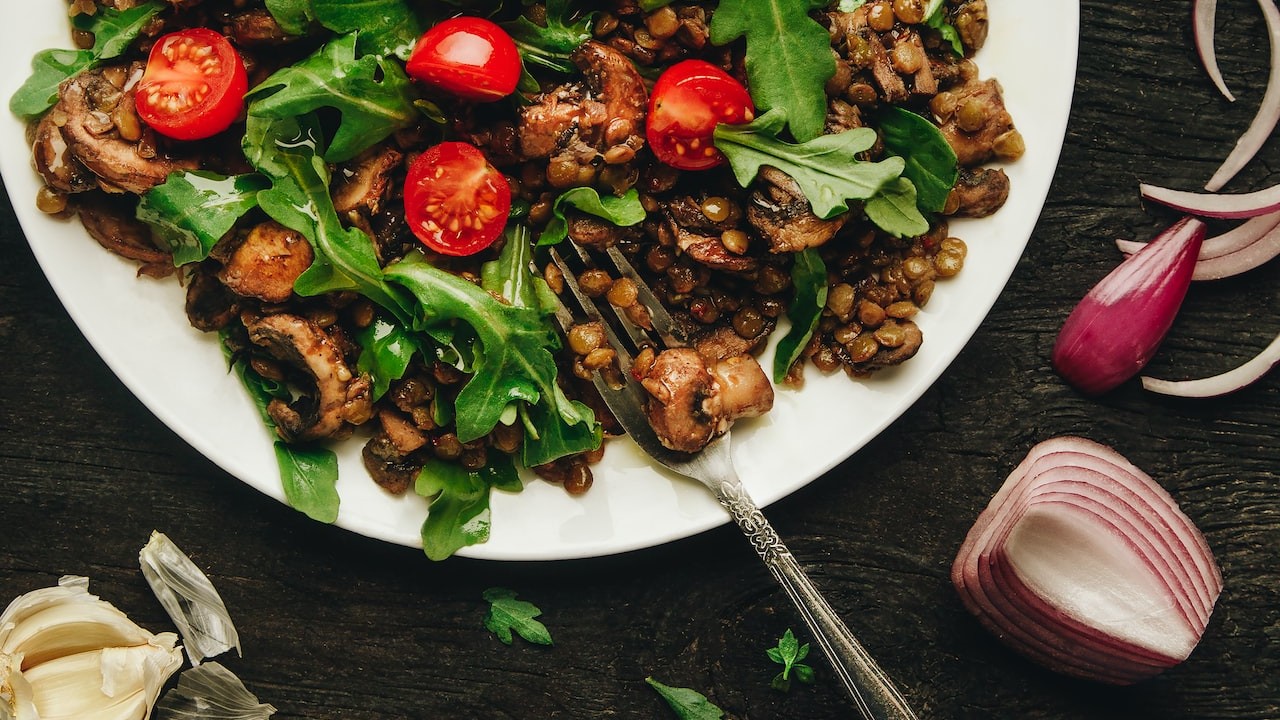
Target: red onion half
1204	18
1245	247
1268	114
1084	564
1113	332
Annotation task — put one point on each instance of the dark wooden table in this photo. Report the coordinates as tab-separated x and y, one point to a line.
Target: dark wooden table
338	626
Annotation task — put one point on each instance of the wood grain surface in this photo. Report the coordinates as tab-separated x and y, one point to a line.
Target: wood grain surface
338	626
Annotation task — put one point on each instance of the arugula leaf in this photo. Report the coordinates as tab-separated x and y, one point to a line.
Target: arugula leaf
895	210
293	16
935	17
788	653
809	278
113	32
930	162
687	704
506	614
651	5
459	512
309	475
383	27
513	356
621	211
549	46
373	94
190	211
386	349
288	152
788	59
827	169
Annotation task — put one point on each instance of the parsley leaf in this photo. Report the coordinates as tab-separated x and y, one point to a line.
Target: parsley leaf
788	59
788	653
459	514
506	614
687	704
621	211
373	94
113	32
190	211
827	169
809	278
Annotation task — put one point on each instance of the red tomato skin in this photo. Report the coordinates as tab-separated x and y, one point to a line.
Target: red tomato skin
206	117
688	101
469	57
455	202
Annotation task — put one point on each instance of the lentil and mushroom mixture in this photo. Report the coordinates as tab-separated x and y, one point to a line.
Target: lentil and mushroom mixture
719	256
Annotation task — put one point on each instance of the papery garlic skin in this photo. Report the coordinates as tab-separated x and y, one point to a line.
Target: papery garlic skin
189	597
67	654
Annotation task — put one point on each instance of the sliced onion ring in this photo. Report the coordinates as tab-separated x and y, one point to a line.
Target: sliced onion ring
1216	205
1249	245
1223	384
1204	18
1268	115
1086	565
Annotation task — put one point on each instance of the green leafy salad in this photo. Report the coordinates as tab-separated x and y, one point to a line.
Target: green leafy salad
358	198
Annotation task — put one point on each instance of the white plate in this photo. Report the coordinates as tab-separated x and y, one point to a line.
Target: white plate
138	327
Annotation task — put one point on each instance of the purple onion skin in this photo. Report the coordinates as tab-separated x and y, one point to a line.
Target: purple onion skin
1114	331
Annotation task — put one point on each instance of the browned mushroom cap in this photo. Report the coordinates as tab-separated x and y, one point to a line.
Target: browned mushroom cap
780	211
684	407
692	400
84	114
361	184
267	262
337	397
978	192
59	168
110	221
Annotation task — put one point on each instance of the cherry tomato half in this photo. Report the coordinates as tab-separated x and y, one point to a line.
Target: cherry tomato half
194	85
687	103
454	200
469	57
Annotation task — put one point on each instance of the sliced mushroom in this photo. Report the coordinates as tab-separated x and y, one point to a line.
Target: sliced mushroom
361	184
84	115
266	262
779	209
59	168
693	400
210	306
978	192
111	222
334	398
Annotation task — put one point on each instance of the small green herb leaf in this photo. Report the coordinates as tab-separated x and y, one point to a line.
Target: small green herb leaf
373	94
506	614
293	16
894	210
788	59
113	32
936	18
623	211
687	704
809	278
930	161
788	653
190	211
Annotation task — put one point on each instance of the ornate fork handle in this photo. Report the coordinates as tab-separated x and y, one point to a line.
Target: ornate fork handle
871	690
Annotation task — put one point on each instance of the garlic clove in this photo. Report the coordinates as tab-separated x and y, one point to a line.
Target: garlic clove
16	702
84	683
71	628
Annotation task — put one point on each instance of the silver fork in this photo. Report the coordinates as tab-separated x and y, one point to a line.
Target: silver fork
871	690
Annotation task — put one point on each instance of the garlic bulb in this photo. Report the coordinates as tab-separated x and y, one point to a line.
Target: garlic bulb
65	653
